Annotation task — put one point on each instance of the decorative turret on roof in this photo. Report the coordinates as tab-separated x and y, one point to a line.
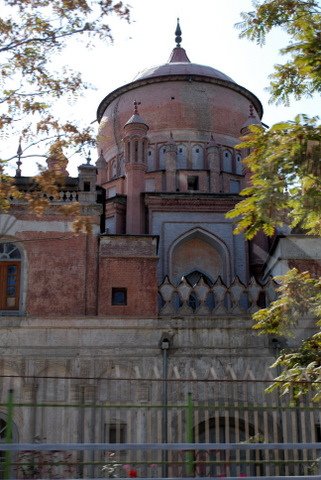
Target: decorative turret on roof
136	118
101	162
252	120
57	161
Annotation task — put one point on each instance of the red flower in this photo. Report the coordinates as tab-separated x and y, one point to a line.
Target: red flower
132	473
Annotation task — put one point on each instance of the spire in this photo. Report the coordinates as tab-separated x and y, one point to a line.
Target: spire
19	162
178	54
136	107
178	34
212	142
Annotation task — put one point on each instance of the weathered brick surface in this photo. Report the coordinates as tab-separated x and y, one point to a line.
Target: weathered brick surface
128	262
61	273
170	105
138	276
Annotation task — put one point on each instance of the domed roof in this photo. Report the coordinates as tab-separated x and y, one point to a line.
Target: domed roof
179	64
179	68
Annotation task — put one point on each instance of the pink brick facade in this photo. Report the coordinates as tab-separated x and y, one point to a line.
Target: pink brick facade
166	176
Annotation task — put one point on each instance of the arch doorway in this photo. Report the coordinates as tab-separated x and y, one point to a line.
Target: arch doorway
199	253
227	463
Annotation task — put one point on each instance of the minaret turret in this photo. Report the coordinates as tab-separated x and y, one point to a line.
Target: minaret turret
135	143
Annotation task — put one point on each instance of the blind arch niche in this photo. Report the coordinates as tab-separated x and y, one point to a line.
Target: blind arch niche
199	250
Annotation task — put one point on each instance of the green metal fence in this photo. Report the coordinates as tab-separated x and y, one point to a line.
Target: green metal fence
111	412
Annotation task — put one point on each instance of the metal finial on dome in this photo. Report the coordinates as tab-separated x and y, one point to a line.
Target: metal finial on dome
136	107
178	34
88	158
19	162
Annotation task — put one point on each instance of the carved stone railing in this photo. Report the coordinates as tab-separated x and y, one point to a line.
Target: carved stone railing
65	196
218	299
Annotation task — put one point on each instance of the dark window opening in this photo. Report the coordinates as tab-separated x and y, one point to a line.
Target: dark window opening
149	153
318	432
115	433
119	296
136	151
192	183
86	186
180	150
197	150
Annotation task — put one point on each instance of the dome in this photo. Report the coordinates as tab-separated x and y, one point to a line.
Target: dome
190	100
179	64
179	68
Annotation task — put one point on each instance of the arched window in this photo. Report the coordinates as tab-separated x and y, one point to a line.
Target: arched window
238	164
197	157
226	463
114	169
227	161
122	166
193	278
162	154
10	269
150	159
181	157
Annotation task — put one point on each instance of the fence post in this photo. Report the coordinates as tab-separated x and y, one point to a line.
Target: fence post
190	434
8	437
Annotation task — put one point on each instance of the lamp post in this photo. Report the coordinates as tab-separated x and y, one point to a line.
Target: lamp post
164	346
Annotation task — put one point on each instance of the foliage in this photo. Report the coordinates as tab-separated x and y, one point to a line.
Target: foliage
292	305
32	34
300	75
284	164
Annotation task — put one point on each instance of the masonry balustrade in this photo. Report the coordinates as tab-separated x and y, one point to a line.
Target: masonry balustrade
216	299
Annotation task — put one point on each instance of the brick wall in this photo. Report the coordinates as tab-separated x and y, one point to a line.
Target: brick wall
61	273
128	262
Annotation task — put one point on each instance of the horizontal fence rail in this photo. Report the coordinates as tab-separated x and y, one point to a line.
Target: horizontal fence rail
118	447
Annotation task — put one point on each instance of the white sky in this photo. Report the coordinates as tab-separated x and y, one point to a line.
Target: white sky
209	37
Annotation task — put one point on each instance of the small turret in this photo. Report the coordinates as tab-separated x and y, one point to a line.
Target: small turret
87	181
57	161
135	143
252	120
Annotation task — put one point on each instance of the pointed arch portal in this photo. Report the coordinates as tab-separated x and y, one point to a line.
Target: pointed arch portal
199	251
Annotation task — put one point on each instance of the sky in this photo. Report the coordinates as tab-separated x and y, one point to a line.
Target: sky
209	38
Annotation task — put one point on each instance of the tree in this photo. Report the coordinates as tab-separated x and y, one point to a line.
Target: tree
285	166
32	33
